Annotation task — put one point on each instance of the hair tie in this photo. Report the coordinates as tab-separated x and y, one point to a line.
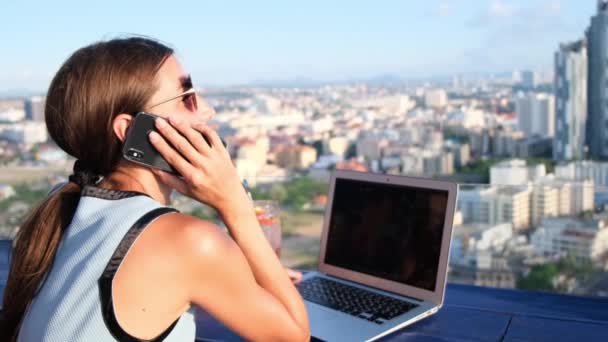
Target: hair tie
83	176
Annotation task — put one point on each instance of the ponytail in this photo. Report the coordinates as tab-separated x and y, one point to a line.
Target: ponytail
36	243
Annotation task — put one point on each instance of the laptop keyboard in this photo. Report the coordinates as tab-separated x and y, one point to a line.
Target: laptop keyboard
352	300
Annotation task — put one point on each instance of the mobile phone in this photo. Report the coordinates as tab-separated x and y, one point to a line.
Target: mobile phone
137	147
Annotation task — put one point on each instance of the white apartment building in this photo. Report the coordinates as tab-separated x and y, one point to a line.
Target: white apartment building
584	170
395	104
582	196
585	239
544	202
436	98
574	197
535	114
27	132
247	169
10	115
467	118
515	172
514	206
337	146
494	205
564	200
370	147
255	151
413	163
494	237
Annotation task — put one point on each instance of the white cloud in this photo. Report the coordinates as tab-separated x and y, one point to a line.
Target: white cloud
518	35
444	10
553	7
499	9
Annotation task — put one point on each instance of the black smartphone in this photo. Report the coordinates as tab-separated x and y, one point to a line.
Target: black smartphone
137	147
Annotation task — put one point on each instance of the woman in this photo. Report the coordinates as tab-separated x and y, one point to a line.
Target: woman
103	257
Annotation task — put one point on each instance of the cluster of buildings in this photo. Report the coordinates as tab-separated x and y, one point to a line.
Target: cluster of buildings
22	121
354	126
432	129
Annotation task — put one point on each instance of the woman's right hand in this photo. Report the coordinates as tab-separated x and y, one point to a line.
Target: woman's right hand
208	173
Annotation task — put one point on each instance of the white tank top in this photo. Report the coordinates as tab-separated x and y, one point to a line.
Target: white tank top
74	303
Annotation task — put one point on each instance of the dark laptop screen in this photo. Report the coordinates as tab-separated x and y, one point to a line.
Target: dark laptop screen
388	231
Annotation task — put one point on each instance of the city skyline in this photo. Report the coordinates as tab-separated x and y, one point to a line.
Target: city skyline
315	41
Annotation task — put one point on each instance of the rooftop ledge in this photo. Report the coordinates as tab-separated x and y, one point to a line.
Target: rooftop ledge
474	313
470	313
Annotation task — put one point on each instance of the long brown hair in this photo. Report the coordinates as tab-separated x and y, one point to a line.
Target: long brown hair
95	84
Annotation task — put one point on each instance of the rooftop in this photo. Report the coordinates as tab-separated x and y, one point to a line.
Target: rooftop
470	313
474	313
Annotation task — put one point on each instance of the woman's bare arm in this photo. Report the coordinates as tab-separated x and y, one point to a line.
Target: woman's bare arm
222	282
210	177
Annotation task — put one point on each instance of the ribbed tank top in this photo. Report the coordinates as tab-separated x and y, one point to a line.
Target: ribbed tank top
74	303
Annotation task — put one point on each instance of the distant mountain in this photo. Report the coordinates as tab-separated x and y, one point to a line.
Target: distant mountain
308	82
385	79
295	82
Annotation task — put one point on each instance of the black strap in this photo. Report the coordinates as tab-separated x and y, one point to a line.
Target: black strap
105	281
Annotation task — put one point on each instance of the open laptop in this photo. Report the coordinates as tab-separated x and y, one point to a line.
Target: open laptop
383	258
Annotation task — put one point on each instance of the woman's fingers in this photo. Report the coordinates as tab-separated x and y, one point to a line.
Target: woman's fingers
174	159
179	142
212	136
195	138
294	275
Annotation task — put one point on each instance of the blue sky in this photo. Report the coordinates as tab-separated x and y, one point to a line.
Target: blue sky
228	42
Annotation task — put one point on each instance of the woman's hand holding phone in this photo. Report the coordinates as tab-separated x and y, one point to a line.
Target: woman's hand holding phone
210	177
208	173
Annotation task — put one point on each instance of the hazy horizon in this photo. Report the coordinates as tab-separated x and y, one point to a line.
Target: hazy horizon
237	44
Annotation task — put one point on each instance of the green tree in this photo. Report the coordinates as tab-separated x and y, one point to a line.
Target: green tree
278	193
293	194
540	278
205	214
260	194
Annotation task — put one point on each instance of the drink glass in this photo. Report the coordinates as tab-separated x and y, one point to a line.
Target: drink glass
268	214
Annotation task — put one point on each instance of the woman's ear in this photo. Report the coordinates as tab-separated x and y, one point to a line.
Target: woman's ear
121	124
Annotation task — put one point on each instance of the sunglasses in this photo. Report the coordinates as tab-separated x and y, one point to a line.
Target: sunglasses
189	98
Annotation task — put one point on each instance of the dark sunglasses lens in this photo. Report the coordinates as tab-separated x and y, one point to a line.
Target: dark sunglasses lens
190	101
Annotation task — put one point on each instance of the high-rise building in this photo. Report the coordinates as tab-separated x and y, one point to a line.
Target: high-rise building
34	108
535	114
570	101
597	48
528	79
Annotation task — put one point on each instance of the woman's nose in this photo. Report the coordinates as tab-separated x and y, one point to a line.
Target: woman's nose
205	110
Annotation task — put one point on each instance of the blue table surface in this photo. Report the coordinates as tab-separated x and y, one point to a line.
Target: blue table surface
471	313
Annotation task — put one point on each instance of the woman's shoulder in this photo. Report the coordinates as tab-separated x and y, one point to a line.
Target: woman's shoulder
192	237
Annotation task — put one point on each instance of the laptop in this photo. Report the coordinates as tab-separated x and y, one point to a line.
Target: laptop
383	258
